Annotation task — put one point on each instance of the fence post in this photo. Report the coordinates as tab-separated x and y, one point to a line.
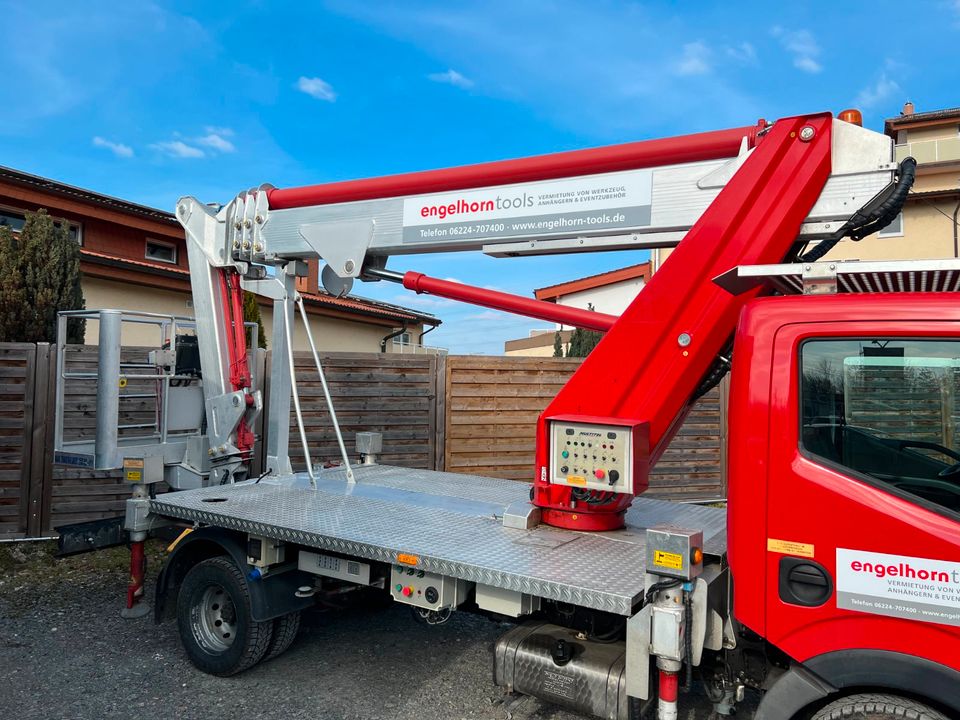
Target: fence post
724	400
440	411
25	519
36	406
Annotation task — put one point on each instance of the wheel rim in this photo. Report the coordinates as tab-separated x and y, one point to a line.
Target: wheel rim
215	619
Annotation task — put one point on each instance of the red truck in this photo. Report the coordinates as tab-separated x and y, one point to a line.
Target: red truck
831	583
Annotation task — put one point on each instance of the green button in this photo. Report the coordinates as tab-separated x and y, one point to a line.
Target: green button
565	454
399	587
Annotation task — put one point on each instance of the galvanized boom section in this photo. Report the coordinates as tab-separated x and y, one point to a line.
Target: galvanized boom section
731	197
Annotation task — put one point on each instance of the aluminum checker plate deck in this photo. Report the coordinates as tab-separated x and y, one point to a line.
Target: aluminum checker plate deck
452	523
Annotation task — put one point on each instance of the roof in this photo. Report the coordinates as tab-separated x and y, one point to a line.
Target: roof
633	272
358	305
94	198
934	117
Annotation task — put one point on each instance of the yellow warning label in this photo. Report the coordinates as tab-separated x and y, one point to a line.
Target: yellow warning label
407	559
134	476
674	561
576	480
789	547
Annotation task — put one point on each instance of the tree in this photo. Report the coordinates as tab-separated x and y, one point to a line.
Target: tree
39	276
557	345
251	313
582	342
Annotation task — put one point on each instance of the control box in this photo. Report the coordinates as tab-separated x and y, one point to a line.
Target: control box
674	551
427	590
602	454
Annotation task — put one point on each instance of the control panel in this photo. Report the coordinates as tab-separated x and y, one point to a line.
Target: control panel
593	456
426	590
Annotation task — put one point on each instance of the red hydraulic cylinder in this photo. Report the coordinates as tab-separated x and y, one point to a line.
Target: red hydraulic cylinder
668	692
612	158
575	317
138	569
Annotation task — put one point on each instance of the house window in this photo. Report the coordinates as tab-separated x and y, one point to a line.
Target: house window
894	229
15	220
161	251
402	339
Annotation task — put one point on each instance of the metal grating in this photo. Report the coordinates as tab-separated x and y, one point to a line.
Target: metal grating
894	276
453	524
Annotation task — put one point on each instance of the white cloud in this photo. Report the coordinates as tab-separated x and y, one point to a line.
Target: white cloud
878	92
452	77
118	149
216	141
744	52
802	45
178	149
695	59
316	88
214	130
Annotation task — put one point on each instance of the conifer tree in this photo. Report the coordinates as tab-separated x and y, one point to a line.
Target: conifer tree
251	313
557	345
39	276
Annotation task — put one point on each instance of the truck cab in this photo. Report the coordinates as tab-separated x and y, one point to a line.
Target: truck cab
844	492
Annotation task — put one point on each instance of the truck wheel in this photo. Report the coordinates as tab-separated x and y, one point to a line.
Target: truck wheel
285	629
877	707
215	621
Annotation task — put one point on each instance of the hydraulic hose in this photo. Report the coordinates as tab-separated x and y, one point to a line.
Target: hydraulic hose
864	221
688	642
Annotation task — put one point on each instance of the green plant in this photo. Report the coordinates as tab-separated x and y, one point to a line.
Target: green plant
39	276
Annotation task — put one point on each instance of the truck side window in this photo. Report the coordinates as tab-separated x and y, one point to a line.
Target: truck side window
887	408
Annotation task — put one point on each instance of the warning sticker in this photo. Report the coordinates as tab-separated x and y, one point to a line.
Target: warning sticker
789	547
576	480
899	586
674	561
567	206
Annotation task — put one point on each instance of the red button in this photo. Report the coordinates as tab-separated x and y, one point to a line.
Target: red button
600	474
407	591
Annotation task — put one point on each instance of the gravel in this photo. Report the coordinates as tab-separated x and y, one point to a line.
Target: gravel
66	653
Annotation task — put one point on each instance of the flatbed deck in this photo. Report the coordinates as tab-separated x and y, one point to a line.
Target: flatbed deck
453	524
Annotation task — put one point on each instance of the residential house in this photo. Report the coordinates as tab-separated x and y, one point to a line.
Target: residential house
134	257
608	292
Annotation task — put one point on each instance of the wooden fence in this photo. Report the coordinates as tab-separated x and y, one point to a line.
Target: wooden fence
492	405
392	394
462	414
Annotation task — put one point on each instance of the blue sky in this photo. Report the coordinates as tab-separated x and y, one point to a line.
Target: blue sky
150	101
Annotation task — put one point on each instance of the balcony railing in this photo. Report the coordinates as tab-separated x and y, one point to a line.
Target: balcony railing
931	151
415	349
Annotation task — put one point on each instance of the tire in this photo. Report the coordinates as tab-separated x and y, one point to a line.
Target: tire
285	629
216	626
877	707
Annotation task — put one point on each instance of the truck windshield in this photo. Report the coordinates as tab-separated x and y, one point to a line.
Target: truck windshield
886	408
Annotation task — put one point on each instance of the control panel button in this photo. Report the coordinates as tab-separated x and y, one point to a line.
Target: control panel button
565	454
599	474
407	591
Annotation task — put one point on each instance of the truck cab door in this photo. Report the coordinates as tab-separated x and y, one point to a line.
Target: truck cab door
862	483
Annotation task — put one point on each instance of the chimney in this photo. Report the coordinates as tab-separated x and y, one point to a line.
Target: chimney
907	108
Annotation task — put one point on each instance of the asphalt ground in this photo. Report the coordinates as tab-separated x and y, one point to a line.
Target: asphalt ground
65	653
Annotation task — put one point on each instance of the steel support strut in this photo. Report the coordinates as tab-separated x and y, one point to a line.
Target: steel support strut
424	284
628	156
649	364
